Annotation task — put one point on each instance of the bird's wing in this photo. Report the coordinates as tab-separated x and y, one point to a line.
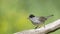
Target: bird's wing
42	19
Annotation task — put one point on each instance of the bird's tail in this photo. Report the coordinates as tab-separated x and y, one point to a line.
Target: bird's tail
49	16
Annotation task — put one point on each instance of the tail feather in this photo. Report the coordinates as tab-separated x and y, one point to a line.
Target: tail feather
49	16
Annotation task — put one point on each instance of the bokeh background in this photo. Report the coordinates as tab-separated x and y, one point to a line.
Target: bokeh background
14	14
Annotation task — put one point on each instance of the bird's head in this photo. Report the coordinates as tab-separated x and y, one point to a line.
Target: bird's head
31	16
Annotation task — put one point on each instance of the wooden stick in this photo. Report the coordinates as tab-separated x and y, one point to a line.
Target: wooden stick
51	27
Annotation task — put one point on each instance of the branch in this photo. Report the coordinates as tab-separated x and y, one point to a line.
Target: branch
48	28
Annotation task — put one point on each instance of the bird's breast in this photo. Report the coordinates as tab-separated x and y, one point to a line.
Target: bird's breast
35	20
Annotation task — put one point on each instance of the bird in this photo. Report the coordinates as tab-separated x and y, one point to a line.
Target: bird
38	20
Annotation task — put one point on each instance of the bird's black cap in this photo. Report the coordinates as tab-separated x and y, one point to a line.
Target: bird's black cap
31	16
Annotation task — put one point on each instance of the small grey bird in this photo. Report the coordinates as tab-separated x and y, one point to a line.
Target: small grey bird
38	20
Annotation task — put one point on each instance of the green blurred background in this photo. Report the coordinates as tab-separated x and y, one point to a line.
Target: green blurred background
14	14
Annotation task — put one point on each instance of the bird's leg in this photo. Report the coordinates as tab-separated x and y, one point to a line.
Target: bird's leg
36	26
44	25
40	25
